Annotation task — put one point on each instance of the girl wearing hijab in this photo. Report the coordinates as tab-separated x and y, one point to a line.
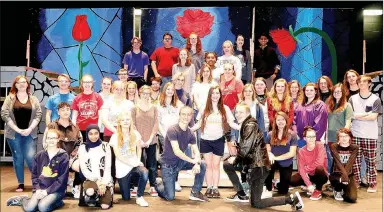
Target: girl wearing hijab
95	168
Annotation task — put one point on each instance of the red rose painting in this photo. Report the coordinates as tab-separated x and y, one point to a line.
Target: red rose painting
196	21
81	31
284	40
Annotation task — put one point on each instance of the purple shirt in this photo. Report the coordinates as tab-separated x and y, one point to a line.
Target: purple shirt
314	115
136	63
175	133
281	150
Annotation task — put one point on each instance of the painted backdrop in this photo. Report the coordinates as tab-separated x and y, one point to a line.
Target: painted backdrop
312	57
213	24
81	41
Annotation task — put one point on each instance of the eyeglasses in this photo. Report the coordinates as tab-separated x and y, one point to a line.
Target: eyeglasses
167	38
87	82
337	92
52	138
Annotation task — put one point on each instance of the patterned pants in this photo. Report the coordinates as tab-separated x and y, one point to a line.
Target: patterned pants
367	147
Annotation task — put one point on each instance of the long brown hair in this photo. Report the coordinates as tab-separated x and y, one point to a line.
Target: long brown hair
132	135
199	45
209	108
345	81
188	61
300	94
275	102
331	101
328	80
265	83
199	77
14	89
275	131
317	95
163	96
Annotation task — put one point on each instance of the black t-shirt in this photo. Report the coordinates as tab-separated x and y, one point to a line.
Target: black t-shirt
22	113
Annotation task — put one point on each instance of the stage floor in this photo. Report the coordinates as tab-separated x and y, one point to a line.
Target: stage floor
366	202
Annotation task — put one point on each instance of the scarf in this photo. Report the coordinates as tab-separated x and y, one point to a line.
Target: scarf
89	144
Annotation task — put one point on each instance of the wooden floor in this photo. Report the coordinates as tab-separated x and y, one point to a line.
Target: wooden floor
366	202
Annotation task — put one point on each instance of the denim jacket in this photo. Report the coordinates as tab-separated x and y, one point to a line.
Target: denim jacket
7	114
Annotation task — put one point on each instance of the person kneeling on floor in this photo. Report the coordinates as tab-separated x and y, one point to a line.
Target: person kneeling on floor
174	159
252	152
344	156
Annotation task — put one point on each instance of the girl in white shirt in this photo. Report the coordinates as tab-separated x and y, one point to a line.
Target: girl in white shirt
229	57
126	146
212	120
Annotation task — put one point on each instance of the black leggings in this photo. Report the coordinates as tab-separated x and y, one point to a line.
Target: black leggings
350	190
285	178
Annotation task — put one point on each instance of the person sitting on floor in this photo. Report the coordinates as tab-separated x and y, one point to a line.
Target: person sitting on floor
312	165
126	145
49	178
344	156
95	167
70	139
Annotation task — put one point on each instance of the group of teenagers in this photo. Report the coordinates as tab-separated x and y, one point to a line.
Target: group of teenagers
196	106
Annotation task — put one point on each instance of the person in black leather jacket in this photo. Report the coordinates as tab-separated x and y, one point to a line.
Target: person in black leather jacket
252	152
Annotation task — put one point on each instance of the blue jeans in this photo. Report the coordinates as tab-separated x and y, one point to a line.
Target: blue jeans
329	157
169	173
125	182
48	203
23	148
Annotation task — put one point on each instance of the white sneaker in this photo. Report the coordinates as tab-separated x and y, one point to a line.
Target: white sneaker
266	194
141	201
178	187
134	192
152	191
76	192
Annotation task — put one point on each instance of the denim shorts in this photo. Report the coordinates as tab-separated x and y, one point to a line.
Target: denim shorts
214	146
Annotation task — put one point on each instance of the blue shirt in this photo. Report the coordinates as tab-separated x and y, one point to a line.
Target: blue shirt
136	63
54	101
278	150
175	133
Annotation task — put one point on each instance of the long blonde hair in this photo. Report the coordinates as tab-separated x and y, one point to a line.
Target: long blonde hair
275	102
132	135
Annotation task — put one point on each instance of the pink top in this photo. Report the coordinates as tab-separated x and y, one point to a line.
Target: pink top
309	160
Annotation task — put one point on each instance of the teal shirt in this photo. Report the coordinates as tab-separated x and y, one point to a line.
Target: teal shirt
337	120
